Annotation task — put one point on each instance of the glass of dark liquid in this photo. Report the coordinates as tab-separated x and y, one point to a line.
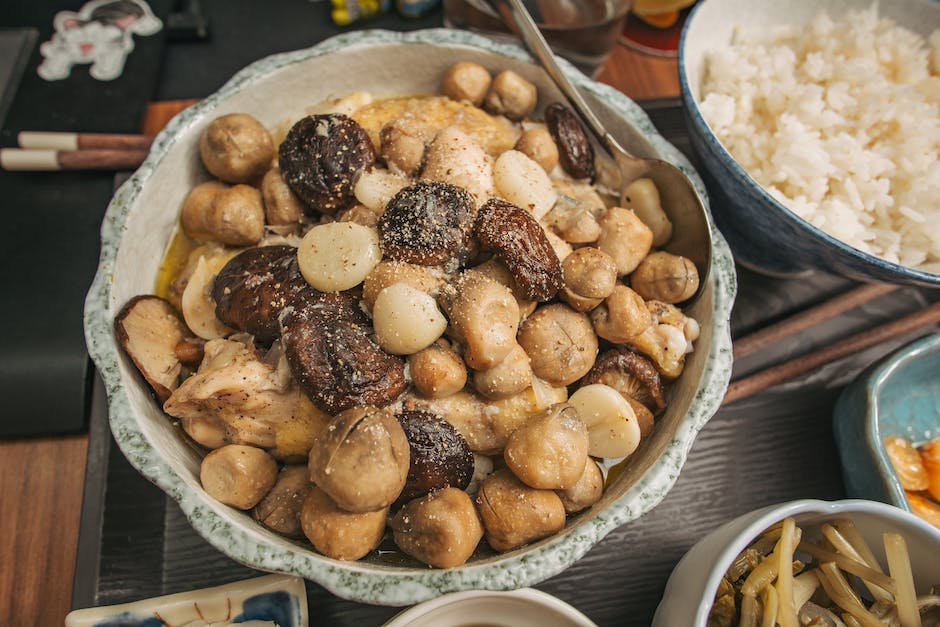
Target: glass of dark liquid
582	31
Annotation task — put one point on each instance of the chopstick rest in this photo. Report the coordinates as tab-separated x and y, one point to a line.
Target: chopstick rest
51	159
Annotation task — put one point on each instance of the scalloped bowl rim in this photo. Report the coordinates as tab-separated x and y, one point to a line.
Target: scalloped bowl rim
743	178
371	582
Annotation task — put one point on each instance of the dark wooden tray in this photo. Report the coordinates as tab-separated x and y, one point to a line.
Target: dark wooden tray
772	447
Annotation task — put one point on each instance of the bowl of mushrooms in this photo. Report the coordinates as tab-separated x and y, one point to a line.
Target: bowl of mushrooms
373	319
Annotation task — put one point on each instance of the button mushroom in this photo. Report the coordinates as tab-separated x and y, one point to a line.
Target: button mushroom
361	459
238	475
339	534
622	316
149	329
388	272
484	317
560	342
437	371
668	339
511	95
586	491
236	148
402	145
282	208
515	514
665	277
549	451
590	276
231	215
537	144
466	81
507	378
624	237
441	529
280	509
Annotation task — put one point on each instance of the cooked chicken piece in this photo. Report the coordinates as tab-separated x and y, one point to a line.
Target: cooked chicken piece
237	398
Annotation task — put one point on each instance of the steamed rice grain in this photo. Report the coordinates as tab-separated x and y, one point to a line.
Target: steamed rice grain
839	121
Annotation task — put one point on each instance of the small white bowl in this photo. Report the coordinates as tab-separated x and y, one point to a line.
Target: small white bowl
520	608
691	588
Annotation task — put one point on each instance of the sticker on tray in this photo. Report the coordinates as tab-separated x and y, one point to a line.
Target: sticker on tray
101	34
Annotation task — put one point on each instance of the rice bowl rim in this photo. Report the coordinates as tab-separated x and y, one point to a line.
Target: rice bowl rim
744	179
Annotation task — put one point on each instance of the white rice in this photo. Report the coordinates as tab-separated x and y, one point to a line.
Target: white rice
840	121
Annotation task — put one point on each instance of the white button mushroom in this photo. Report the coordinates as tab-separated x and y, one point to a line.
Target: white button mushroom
612	426
406	319
523	182
338	256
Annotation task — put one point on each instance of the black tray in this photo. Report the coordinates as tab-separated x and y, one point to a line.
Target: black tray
772	447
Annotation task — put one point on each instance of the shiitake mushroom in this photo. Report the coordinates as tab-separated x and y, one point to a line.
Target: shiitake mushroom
440	456
321	158
254	287
427	223
333	357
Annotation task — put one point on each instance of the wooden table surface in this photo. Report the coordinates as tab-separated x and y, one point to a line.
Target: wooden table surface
41	479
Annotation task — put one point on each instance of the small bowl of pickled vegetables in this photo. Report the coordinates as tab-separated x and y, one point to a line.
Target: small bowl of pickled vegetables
810	562
887	425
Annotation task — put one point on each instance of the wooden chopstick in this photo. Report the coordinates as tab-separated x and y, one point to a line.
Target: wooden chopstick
48	159
809	318
45	140
853	344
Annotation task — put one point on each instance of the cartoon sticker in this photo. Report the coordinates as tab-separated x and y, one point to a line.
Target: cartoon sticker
101	33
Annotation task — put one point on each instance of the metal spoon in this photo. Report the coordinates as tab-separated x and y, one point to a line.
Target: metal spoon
691	234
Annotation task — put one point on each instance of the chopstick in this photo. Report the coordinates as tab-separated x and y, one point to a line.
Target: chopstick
82	141
45	160
810	317
40	150
860	341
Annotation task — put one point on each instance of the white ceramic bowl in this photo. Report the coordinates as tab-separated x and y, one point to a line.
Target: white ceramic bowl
527	607
764	234
691	588
144	213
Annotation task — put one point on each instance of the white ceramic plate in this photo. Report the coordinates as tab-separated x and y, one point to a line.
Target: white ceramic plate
143	215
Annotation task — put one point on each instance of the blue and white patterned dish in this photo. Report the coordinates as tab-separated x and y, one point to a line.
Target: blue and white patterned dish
899	396
143	215
272	599
763	233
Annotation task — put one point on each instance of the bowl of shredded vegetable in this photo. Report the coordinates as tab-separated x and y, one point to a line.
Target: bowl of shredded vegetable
848	562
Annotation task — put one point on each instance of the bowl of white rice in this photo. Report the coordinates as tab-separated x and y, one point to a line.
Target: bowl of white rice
817	125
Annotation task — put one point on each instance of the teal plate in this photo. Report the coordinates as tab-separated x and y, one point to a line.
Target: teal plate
899	396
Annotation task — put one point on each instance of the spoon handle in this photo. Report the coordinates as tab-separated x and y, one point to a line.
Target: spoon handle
536	43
